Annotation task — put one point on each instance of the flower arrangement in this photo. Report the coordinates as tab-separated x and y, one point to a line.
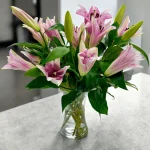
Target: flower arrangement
89	58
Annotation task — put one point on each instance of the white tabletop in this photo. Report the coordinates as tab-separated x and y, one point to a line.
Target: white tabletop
35	126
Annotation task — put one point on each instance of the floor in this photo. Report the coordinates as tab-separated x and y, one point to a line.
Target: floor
12	87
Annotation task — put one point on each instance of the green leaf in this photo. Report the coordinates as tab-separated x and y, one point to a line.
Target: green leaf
57	52
104	65
68	25
118	80
41	82
131	85
141	51
62	37
34	72
120	15
112	35
68	99
101	47
98	101
57	26
129	33
109	56
56	41
91	77
28	45
112	53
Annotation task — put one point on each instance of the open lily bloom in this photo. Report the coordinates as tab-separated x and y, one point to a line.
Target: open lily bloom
93	12
124	27
77	33
51	33
98	32
53	72
25	18
128	58
87	58
15	62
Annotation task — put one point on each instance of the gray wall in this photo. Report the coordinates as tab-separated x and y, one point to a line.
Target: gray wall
50	8
139	10
5	20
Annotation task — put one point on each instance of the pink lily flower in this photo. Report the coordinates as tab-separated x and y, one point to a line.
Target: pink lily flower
128	58
87	58
51	33
40	22
77	33
35	59
36	35
25	18
124	27
53	72
93	12
98	32
15	62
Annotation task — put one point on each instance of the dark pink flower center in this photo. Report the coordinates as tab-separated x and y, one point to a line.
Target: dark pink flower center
54	71
86	56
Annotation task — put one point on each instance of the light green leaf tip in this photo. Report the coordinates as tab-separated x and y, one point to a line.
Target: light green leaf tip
120	15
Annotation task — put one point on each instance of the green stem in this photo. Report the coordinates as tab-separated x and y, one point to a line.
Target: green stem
66	88
72	56
44	40
74	72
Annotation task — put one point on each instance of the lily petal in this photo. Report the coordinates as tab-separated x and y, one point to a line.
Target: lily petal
34	59
87	59
17	63
128	58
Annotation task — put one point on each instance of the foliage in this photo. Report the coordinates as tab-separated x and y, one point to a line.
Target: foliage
64	56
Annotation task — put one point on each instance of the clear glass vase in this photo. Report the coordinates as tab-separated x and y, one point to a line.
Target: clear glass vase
74	125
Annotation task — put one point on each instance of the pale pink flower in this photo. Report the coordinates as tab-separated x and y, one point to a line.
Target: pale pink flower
34	59
128	58
87	58
41	37
25	18
15	62
77	33
98	32
124	27
36	35
53	72
51	33
93	12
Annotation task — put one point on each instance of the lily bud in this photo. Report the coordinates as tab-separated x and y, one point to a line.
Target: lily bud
68	25
25	18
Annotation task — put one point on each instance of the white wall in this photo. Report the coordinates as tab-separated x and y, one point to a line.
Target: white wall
72	6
